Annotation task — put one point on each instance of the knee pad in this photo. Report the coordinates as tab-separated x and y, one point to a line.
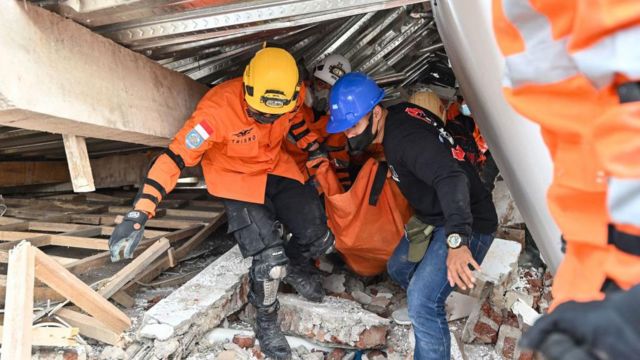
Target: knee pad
270	264
268	269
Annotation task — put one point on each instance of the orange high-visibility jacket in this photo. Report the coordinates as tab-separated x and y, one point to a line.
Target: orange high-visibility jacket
236	152
564	62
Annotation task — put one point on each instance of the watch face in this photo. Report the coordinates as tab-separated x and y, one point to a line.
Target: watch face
454	240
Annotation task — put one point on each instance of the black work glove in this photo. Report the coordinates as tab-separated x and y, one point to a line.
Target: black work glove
320	152
127	235
608	329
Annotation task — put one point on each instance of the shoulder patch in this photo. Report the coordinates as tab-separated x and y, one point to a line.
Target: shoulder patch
457	153
418	114
197	136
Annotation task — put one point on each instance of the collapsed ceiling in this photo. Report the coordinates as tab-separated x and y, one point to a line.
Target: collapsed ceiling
394	41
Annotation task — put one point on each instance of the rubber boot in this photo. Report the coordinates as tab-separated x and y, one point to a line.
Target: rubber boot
272	341
306	280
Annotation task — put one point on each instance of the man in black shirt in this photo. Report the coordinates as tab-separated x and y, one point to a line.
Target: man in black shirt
454	219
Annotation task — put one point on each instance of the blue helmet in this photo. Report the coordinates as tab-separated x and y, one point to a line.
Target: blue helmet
351	98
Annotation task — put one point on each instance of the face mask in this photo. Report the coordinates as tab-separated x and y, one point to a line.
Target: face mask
464	109
321	101
262	118
360	142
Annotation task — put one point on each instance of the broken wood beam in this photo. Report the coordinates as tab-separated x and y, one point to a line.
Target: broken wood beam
75	147
132	269
16	335
155	269
52	336
88	326
64	282
105	257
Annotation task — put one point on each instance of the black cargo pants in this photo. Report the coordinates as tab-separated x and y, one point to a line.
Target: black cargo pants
297	206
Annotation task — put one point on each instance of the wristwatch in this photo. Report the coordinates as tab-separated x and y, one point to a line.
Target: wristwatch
454	241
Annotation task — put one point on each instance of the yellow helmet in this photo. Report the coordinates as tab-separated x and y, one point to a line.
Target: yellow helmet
271	81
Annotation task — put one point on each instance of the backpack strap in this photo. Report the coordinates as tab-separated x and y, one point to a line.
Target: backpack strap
378	182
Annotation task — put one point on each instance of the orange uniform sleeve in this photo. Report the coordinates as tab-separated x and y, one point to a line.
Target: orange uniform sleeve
186	149
300	132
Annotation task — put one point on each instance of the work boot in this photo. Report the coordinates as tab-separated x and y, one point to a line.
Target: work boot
272	341
306	280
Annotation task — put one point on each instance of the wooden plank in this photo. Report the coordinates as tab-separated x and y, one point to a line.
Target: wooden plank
52	336
160	265
58	240
20	173
69	286
16	335
105	257
17	226
198	214
134	267
75	147
192	243
124	299
80	242
7	220
88	326
107	230
41	294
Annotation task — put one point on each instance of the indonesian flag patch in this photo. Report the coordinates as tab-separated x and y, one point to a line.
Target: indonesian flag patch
197	136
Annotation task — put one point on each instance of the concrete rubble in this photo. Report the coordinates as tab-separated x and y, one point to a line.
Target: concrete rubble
334	321
198	306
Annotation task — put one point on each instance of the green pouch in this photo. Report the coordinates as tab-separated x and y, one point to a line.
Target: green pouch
419	235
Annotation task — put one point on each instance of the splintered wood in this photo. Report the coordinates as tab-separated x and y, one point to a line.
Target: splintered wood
56	246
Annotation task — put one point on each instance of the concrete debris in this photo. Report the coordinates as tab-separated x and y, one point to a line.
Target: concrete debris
459	306
508	214
335	321
500	261
483	323
507	345
199	305
325	264
112	353
378	305
160	332
352	283
334	284
361	297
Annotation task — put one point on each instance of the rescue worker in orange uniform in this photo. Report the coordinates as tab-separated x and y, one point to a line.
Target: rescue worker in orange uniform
237	133
573	67
315	113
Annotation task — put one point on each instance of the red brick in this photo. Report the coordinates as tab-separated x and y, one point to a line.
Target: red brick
485	332
244	341
509	348
336	354
372	337
511	319
526	355
489	311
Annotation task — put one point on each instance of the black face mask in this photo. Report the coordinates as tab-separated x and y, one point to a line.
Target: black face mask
262	118
360	142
